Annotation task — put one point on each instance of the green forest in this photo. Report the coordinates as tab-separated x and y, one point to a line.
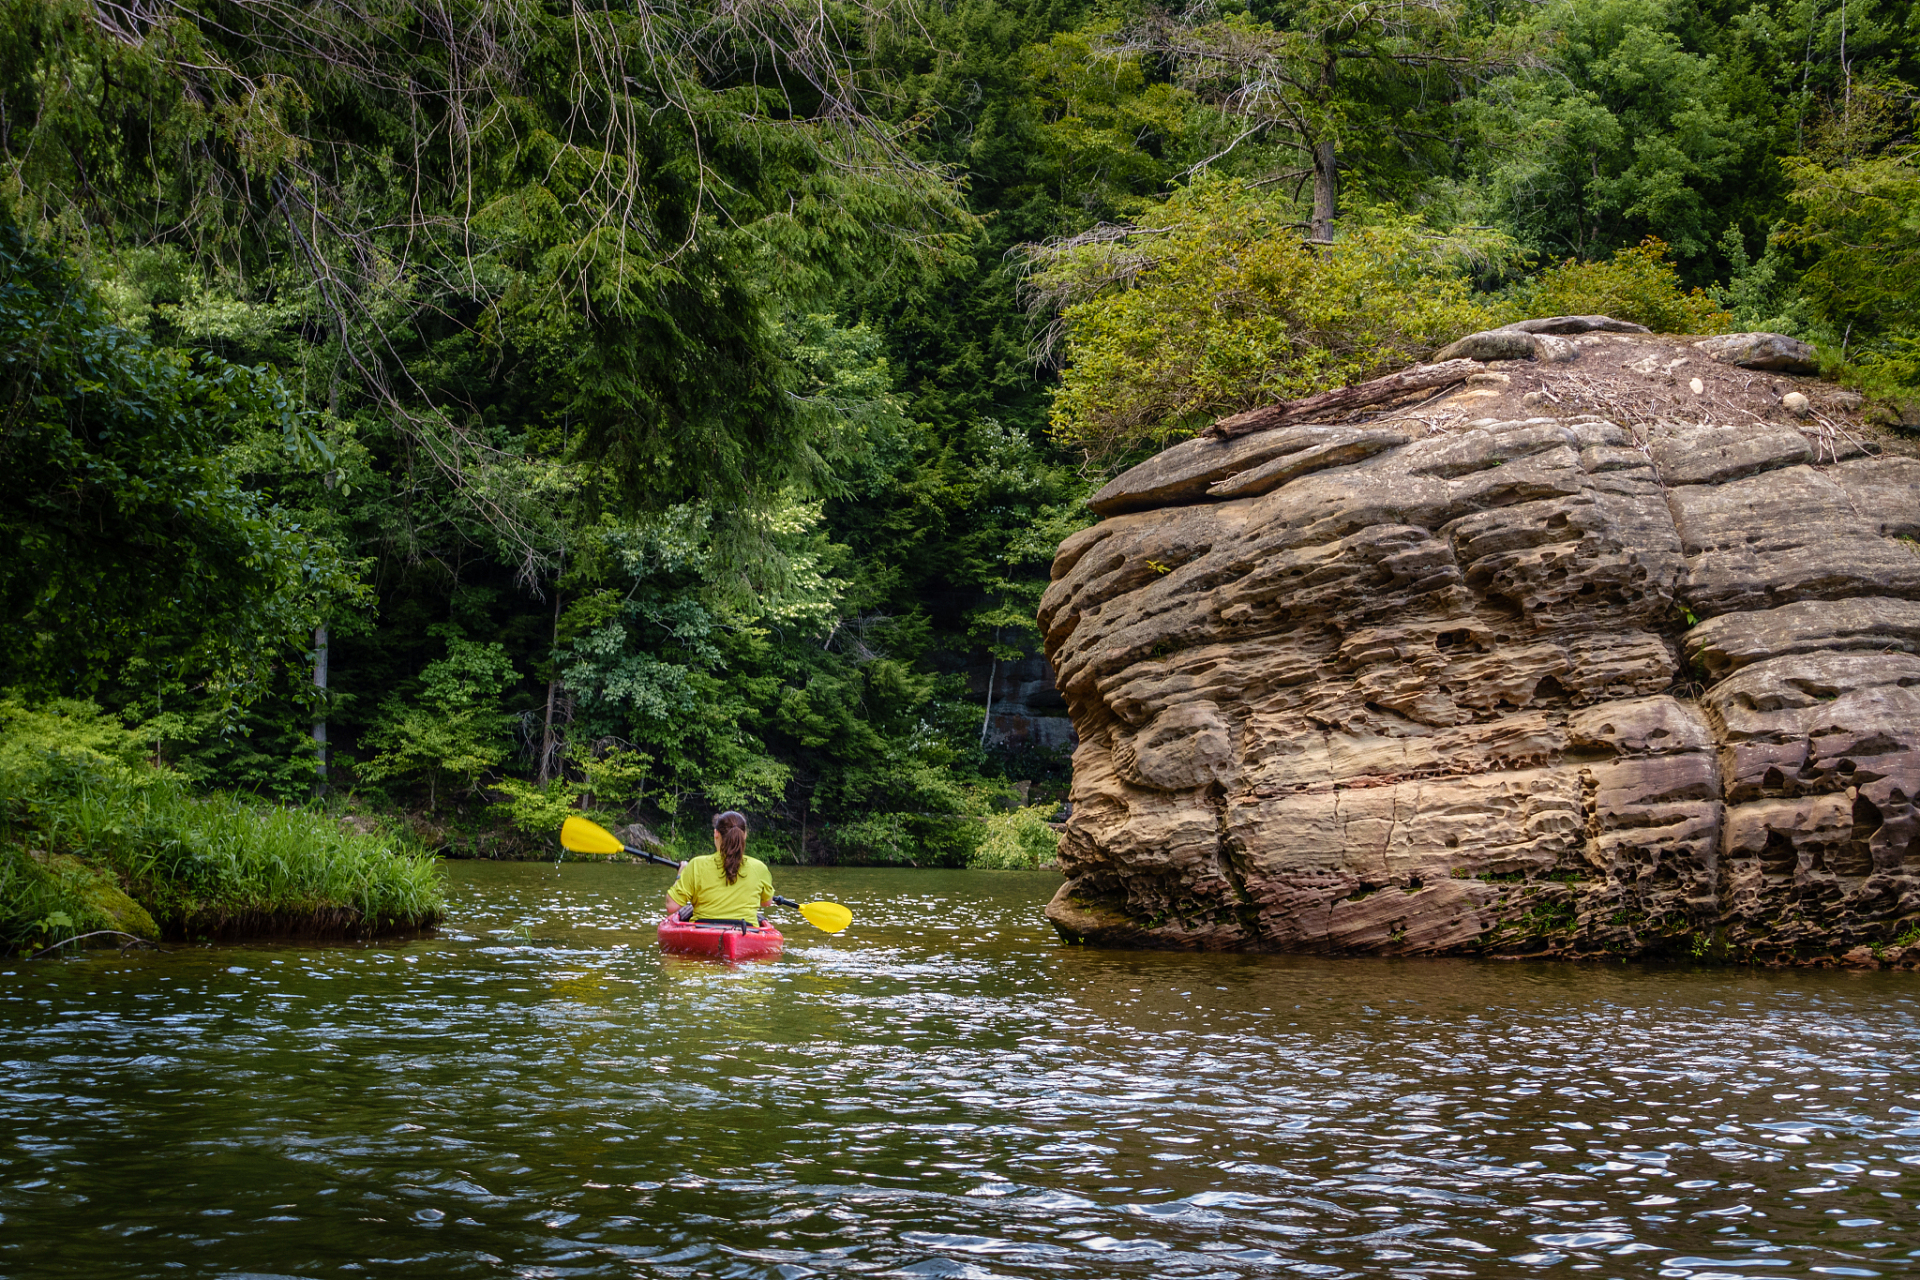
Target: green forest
450	416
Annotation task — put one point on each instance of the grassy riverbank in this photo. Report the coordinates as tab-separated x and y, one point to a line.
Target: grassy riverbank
93	837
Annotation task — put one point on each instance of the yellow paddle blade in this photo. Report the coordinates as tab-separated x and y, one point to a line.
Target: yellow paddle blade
583	836
828	916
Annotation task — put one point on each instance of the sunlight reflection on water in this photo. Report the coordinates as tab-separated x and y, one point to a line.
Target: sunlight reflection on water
943	1091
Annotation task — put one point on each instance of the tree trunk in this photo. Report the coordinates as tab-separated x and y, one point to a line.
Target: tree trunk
1326	191
1326	165
320	632
320	712
993	669
553	687
546	735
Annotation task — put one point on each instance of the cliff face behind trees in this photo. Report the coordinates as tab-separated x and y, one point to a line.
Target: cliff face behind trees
1612	649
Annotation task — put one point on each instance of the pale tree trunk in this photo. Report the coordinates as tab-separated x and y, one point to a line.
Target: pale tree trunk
320	712
993	669
320	632
553	689
546	736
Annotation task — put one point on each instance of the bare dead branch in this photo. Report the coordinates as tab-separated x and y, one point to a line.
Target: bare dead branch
1421	377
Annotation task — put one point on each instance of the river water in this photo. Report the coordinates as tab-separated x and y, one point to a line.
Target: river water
942	1091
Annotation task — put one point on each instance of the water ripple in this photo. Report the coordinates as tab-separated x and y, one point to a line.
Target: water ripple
944	1091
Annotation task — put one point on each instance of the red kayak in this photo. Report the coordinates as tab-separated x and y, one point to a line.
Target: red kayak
721	941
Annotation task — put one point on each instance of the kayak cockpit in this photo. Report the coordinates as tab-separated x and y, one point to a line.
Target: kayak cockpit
722	941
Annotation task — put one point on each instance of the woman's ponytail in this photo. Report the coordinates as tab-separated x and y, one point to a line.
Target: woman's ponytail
732	827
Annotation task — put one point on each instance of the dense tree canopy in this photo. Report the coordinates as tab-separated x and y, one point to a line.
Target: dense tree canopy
639	406
128	545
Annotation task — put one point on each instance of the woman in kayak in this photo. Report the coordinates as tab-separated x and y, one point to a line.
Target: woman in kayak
729	888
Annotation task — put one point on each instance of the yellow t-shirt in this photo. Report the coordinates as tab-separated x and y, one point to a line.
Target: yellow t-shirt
703	882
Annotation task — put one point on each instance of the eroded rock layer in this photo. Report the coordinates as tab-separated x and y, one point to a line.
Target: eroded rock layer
1589	684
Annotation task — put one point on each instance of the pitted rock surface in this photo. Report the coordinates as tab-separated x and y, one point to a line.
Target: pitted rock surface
1590	683
1762	351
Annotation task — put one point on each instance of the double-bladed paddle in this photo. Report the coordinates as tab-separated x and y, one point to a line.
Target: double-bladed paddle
583	836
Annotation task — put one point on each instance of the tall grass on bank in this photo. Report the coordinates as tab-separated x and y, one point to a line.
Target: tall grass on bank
219	865
85	830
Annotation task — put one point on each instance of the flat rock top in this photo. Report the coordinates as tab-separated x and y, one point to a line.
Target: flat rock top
1634	378
1647	383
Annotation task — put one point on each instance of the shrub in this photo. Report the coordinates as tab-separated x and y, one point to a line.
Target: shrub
457	730
612	784
1858	231
1019	840
65	728
1638	284
536	810
902	839
1220	306
883	838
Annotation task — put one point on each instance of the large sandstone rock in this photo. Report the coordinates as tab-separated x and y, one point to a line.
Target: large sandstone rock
1522	684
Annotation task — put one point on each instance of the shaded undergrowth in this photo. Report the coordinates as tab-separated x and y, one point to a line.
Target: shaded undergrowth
92	837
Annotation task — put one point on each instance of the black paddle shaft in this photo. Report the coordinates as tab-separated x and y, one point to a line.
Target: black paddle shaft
651	857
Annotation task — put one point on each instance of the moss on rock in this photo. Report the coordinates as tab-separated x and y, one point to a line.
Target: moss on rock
102	896
46	897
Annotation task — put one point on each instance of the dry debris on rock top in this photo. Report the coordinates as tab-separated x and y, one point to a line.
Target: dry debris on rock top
1597	368
1612	649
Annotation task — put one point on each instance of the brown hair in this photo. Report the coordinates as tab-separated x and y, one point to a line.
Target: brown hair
732	827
